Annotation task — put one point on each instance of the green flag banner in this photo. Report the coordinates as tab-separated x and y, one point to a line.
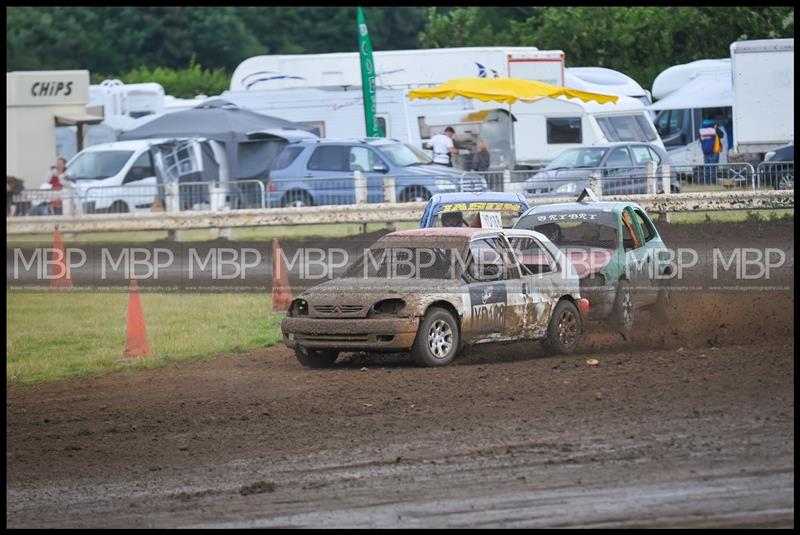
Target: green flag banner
367	77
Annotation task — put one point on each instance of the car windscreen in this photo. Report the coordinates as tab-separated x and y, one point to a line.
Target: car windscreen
574	228
401	259
577	158
97	165
472	218
403	155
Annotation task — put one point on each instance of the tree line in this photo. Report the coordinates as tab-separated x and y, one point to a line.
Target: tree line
194	50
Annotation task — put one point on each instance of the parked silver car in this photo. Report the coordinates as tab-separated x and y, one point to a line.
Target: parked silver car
621	167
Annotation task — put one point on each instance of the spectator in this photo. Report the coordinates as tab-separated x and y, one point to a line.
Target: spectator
481	158
443	147
14	186
711	136
57	181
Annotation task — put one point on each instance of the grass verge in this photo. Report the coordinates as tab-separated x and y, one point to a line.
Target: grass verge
58	335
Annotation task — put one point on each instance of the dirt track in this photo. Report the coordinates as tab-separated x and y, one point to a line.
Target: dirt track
689	425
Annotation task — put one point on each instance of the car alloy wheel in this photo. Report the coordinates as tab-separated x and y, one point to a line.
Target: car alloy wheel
440	339
567	328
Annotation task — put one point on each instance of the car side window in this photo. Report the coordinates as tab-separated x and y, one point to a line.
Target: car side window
647	227
491	261
630	238
286	158
361	159
330	158
654	156
619	157
142	168
532	257
641	154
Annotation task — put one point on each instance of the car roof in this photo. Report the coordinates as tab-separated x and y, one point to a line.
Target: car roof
491	196
612	144
444	232
599	206
348	140
132	144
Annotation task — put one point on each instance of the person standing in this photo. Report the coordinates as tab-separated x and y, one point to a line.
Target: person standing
443	147
711	136
57	181
481	158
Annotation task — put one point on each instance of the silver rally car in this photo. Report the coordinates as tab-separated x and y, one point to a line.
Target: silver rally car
430	291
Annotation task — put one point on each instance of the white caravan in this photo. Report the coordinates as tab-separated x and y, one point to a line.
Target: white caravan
688	94
399	68
763	94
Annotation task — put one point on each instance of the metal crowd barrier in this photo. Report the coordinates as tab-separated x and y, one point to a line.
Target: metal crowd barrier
775	175
359	188
171	197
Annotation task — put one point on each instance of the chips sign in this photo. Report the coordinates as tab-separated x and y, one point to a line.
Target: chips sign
481	206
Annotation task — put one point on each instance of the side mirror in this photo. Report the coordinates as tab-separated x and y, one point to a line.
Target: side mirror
380	168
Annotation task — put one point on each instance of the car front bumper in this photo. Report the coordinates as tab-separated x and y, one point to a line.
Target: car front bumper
390	334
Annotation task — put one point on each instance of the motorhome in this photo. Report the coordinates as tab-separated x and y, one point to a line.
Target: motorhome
763	94
686	95
606	82
399	68
545	128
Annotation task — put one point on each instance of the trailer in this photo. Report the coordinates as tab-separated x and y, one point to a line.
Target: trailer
763	94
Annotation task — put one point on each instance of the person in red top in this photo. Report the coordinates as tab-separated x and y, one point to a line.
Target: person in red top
56	181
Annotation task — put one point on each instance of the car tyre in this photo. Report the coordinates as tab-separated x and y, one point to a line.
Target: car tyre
415	194
623	314
564	330
296	199
118	207
437	340
316	358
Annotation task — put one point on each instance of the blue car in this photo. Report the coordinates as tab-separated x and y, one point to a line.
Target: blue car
314	172
463	209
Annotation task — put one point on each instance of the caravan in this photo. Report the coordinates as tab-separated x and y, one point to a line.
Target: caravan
399	68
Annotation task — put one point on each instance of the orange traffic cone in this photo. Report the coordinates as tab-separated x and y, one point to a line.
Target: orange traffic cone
61	278
136	334
281	293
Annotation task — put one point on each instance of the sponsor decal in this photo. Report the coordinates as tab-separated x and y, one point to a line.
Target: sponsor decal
577	216
488	307
481	205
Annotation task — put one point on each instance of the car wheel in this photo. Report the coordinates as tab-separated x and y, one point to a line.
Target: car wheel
623	313
415	194
118	207
316	358
296	199
785	181
437	339
564	329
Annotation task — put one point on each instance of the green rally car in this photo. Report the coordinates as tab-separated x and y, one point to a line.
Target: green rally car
623	264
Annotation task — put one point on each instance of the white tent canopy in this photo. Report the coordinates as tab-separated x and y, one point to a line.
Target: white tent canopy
708	90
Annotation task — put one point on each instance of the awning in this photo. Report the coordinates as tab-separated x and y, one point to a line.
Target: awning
505	90
72	119
711	90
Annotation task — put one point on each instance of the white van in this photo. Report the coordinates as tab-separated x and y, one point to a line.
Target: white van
125	176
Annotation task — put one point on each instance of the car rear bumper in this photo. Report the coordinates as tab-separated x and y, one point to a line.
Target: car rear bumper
393	334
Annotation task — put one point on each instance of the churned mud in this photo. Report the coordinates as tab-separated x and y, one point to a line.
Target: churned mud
689	424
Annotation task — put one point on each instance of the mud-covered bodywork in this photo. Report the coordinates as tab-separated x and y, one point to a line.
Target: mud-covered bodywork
498	284
606	242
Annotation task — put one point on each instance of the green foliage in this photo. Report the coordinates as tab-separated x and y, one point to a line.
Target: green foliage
639	41
753	217
182	83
